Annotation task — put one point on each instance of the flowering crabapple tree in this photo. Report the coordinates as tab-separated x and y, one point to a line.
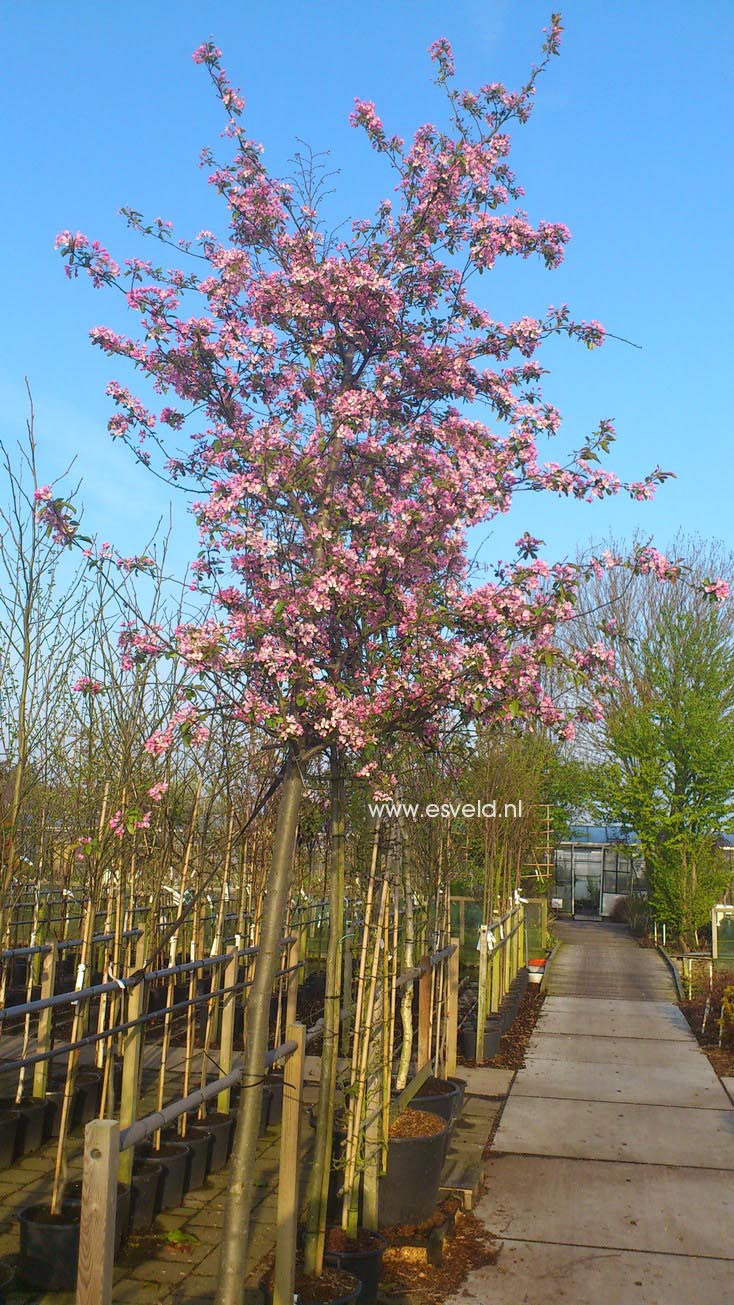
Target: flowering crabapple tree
350	412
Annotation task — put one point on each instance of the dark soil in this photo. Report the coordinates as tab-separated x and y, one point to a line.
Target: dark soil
511	1054
69	1214
469	1248
447	1209
333	1284
337	1241
435	1087
417	1123
721	1058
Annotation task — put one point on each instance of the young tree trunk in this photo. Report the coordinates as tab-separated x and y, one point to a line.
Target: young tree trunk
236	1226
318	1184
406	1003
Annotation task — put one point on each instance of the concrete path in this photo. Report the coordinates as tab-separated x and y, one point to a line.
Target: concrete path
611	1179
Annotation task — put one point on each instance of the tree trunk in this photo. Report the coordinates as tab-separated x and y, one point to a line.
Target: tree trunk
240	1191
318	1185
406	1003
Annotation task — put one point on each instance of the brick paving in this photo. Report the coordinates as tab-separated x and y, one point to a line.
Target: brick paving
155	1267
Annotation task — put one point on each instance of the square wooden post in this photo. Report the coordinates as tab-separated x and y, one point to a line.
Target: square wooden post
48	981
424	1013
482	996
226	1039
288	1172
99	1209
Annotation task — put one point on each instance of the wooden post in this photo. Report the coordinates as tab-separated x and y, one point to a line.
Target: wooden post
291	1001
226	1039
99	1208
495	995
482	995
45	1018
132	1050
288	1173
522	943
452	1009
424	1013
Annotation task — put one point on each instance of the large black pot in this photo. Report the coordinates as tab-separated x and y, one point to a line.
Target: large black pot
7	1278
221	1128
49	1246
199	1141
408	1190
365	1265
174	1159
468	1040
493	1031
31	1126
444	1104
145	1193
9	1121
89	1095
461	1085
275	1087
73	1195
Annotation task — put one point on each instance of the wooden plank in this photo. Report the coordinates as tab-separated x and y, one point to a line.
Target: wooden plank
99	1208
288	1170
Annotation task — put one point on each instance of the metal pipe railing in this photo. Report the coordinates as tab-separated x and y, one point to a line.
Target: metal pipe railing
150	1124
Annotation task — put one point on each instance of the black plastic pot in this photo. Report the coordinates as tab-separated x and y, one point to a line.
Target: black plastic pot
199	1141
265	1108
49	1246
365	1265
7	1278
9	1121
54	1105
408	1190
89	1095
468	1040
29	1135
73	1195
275	1087
444	1104
145	1193
221	1128
174	1159
492	1034
461	1085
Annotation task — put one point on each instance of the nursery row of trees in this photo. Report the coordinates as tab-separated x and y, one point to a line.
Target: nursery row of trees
343	409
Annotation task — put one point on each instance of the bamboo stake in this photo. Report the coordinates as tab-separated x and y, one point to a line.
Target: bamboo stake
173	947
356	1111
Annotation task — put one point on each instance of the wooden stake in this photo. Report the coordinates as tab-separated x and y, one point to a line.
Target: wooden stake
288	1171
99	1208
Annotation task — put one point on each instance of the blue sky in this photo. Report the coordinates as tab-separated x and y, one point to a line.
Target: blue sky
630	146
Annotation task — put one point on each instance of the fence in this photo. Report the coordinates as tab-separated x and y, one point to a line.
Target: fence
502	952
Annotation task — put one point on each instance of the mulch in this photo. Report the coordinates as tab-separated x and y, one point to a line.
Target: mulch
470	1247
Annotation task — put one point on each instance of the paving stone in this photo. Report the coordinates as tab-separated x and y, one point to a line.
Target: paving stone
485	1081
133	1290
159	1270
612	1076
